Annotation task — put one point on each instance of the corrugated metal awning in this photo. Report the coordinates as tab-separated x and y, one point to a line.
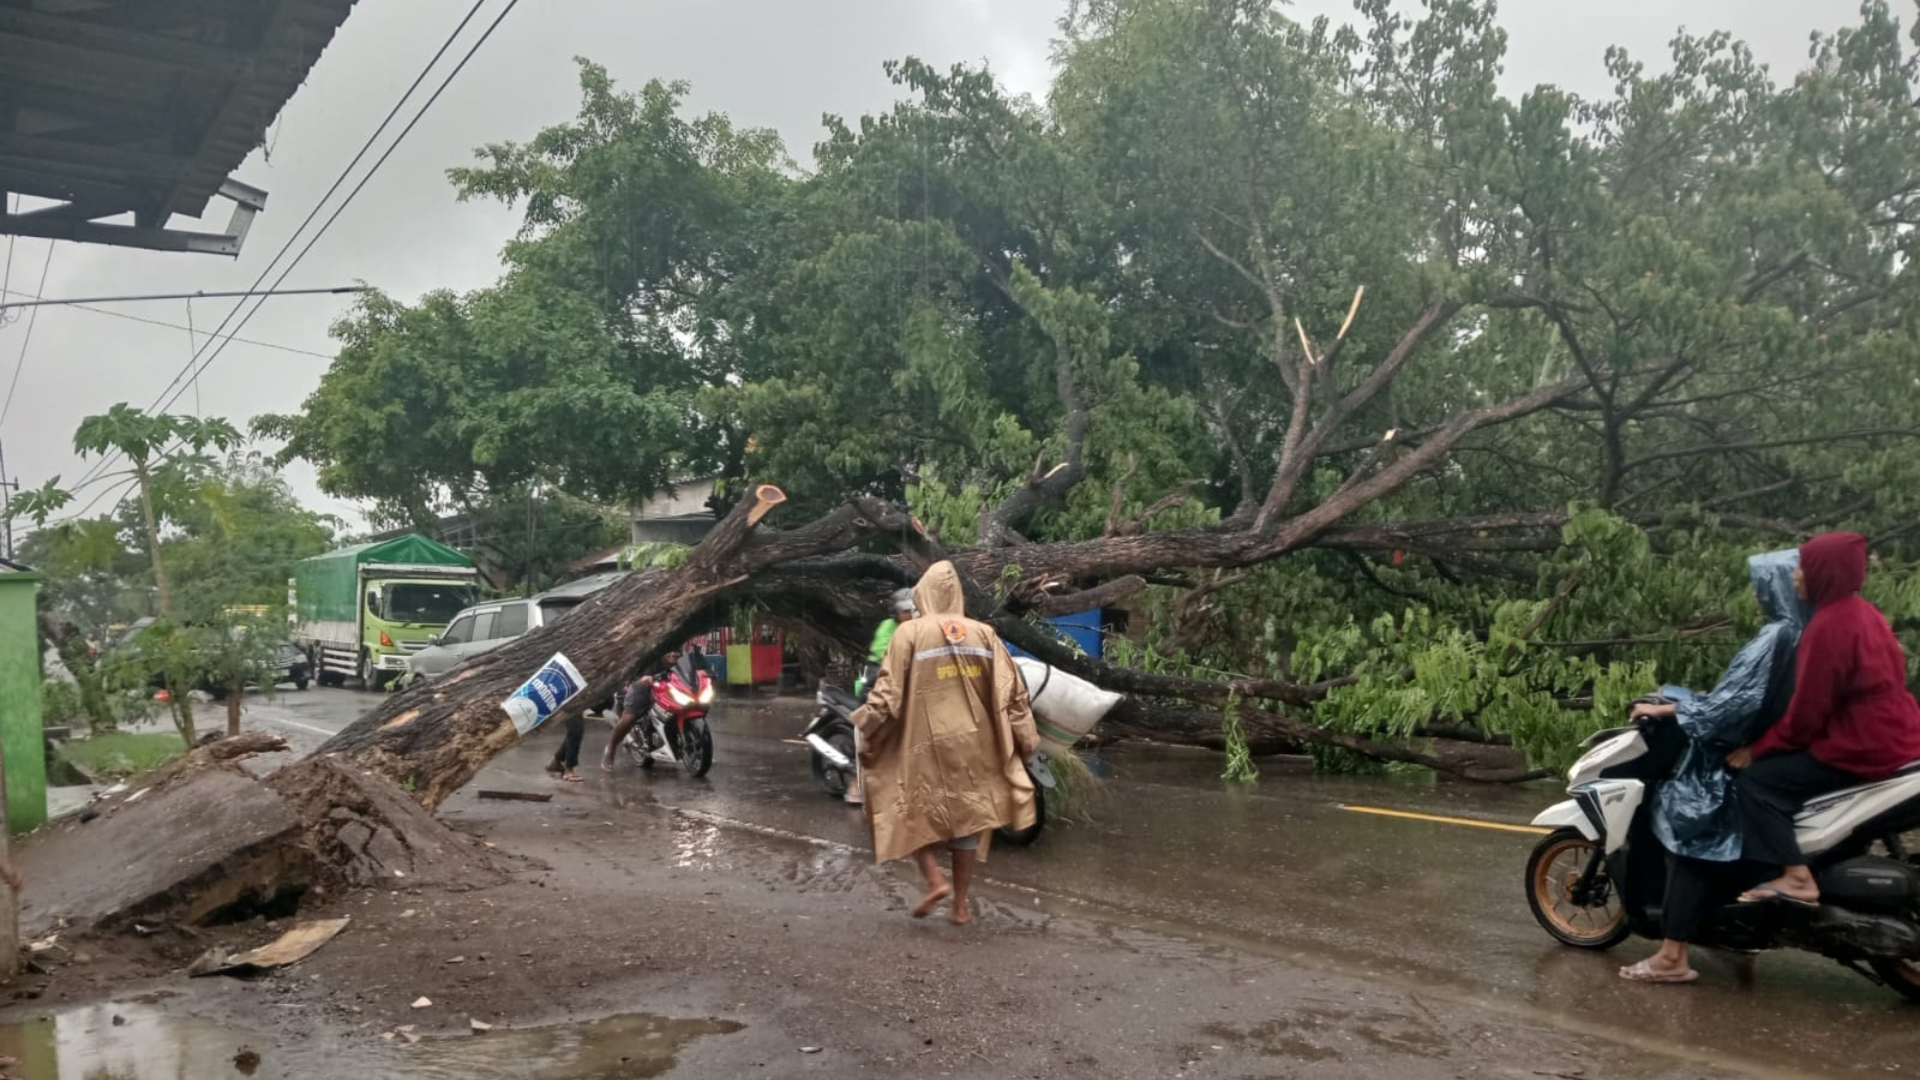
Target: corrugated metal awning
109	107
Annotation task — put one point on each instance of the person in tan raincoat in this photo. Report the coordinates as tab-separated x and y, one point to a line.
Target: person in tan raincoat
943	738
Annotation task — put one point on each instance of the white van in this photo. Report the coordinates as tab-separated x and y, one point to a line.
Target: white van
485	627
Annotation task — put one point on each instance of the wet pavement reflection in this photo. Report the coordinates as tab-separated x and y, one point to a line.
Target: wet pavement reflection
616	1048
1247	876
140	1042
1281	869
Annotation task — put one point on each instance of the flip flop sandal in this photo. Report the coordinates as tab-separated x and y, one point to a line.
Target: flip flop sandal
1643	972
1768	894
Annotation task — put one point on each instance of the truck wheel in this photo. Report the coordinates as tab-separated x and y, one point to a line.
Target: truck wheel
371	678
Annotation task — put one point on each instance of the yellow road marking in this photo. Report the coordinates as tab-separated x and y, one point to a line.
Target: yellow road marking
1473	823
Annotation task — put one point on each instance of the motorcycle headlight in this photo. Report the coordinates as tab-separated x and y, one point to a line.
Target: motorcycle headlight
706	694
679	696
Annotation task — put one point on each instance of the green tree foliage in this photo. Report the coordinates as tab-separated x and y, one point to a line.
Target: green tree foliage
534	539
582	368
1237	275
229	531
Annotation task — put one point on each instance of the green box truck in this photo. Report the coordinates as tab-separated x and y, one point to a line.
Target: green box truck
360	611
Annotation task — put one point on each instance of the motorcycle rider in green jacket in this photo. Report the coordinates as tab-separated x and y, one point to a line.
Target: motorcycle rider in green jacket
882	637
902	606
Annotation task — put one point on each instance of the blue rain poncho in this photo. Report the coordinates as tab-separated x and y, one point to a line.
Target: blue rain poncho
1693	816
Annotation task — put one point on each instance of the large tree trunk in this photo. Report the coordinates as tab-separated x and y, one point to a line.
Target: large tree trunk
433	738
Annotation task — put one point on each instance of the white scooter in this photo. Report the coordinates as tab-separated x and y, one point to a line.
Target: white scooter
1601	874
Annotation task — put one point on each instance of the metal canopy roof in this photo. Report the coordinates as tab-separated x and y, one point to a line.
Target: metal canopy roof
145	106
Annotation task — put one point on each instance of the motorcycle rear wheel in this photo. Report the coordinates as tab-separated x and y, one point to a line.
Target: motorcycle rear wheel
696	749
832	778
1557	862
1901	976
637	750
1026	837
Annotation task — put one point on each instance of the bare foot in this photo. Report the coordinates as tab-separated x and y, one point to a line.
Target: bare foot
932	900
961	914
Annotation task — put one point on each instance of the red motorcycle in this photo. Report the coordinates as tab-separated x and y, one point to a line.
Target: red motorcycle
674	731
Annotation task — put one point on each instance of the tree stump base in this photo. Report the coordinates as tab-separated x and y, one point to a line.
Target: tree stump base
208	844
364	830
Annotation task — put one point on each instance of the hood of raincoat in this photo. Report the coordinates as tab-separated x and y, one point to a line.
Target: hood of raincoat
1834	565
939	592
1772	575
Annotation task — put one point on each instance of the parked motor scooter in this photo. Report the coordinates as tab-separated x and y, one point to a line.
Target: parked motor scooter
830	737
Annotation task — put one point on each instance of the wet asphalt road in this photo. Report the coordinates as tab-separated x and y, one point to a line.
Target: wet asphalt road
1282	869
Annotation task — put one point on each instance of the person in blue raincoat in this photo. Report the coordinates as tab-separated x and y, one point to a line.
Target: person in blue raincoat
1694	814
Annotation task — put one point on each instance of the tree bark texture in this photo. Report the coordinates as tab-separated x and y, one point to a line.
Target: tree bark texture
433	738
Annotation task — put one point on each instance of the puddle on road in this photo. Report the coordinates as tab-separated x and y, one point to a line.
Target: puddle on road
136	1042
132	1042
617	1048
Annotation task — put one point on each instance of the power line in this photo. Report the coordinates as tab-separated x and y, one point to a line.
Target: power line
199	294
169	325
364	180
315	212
358	156
26	339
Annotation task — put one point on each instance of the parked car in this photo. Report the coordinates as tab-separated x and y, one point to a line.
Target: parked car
483	628
294	666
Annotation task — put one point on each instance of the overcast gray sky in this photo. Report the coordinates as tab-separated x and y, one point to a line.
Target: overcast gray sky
773	63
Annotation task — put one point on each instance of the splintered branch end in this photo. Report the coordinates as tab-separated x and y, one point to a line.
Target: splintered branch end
765	498
1352	310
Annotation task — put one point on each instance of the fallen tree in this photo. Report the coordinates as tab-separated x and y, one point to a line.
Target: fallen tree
432	739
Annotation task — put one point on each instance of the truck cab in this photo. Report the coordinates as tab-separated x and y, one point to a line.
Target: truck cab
401	617
360	611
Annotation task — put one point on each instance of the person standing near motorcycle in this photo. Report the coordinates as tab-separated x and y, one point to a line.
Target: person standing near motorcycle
638	699
902	607
1694	817
1852	720
566	760
902	604
944	732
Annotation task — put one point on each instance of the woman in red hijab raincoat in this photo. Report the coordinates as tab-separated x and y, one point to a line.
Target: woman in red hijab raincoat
1851	720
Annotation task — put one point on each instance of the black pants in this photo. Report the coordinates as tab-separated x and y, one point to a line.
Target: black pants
1767	795
1697	888
568	756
